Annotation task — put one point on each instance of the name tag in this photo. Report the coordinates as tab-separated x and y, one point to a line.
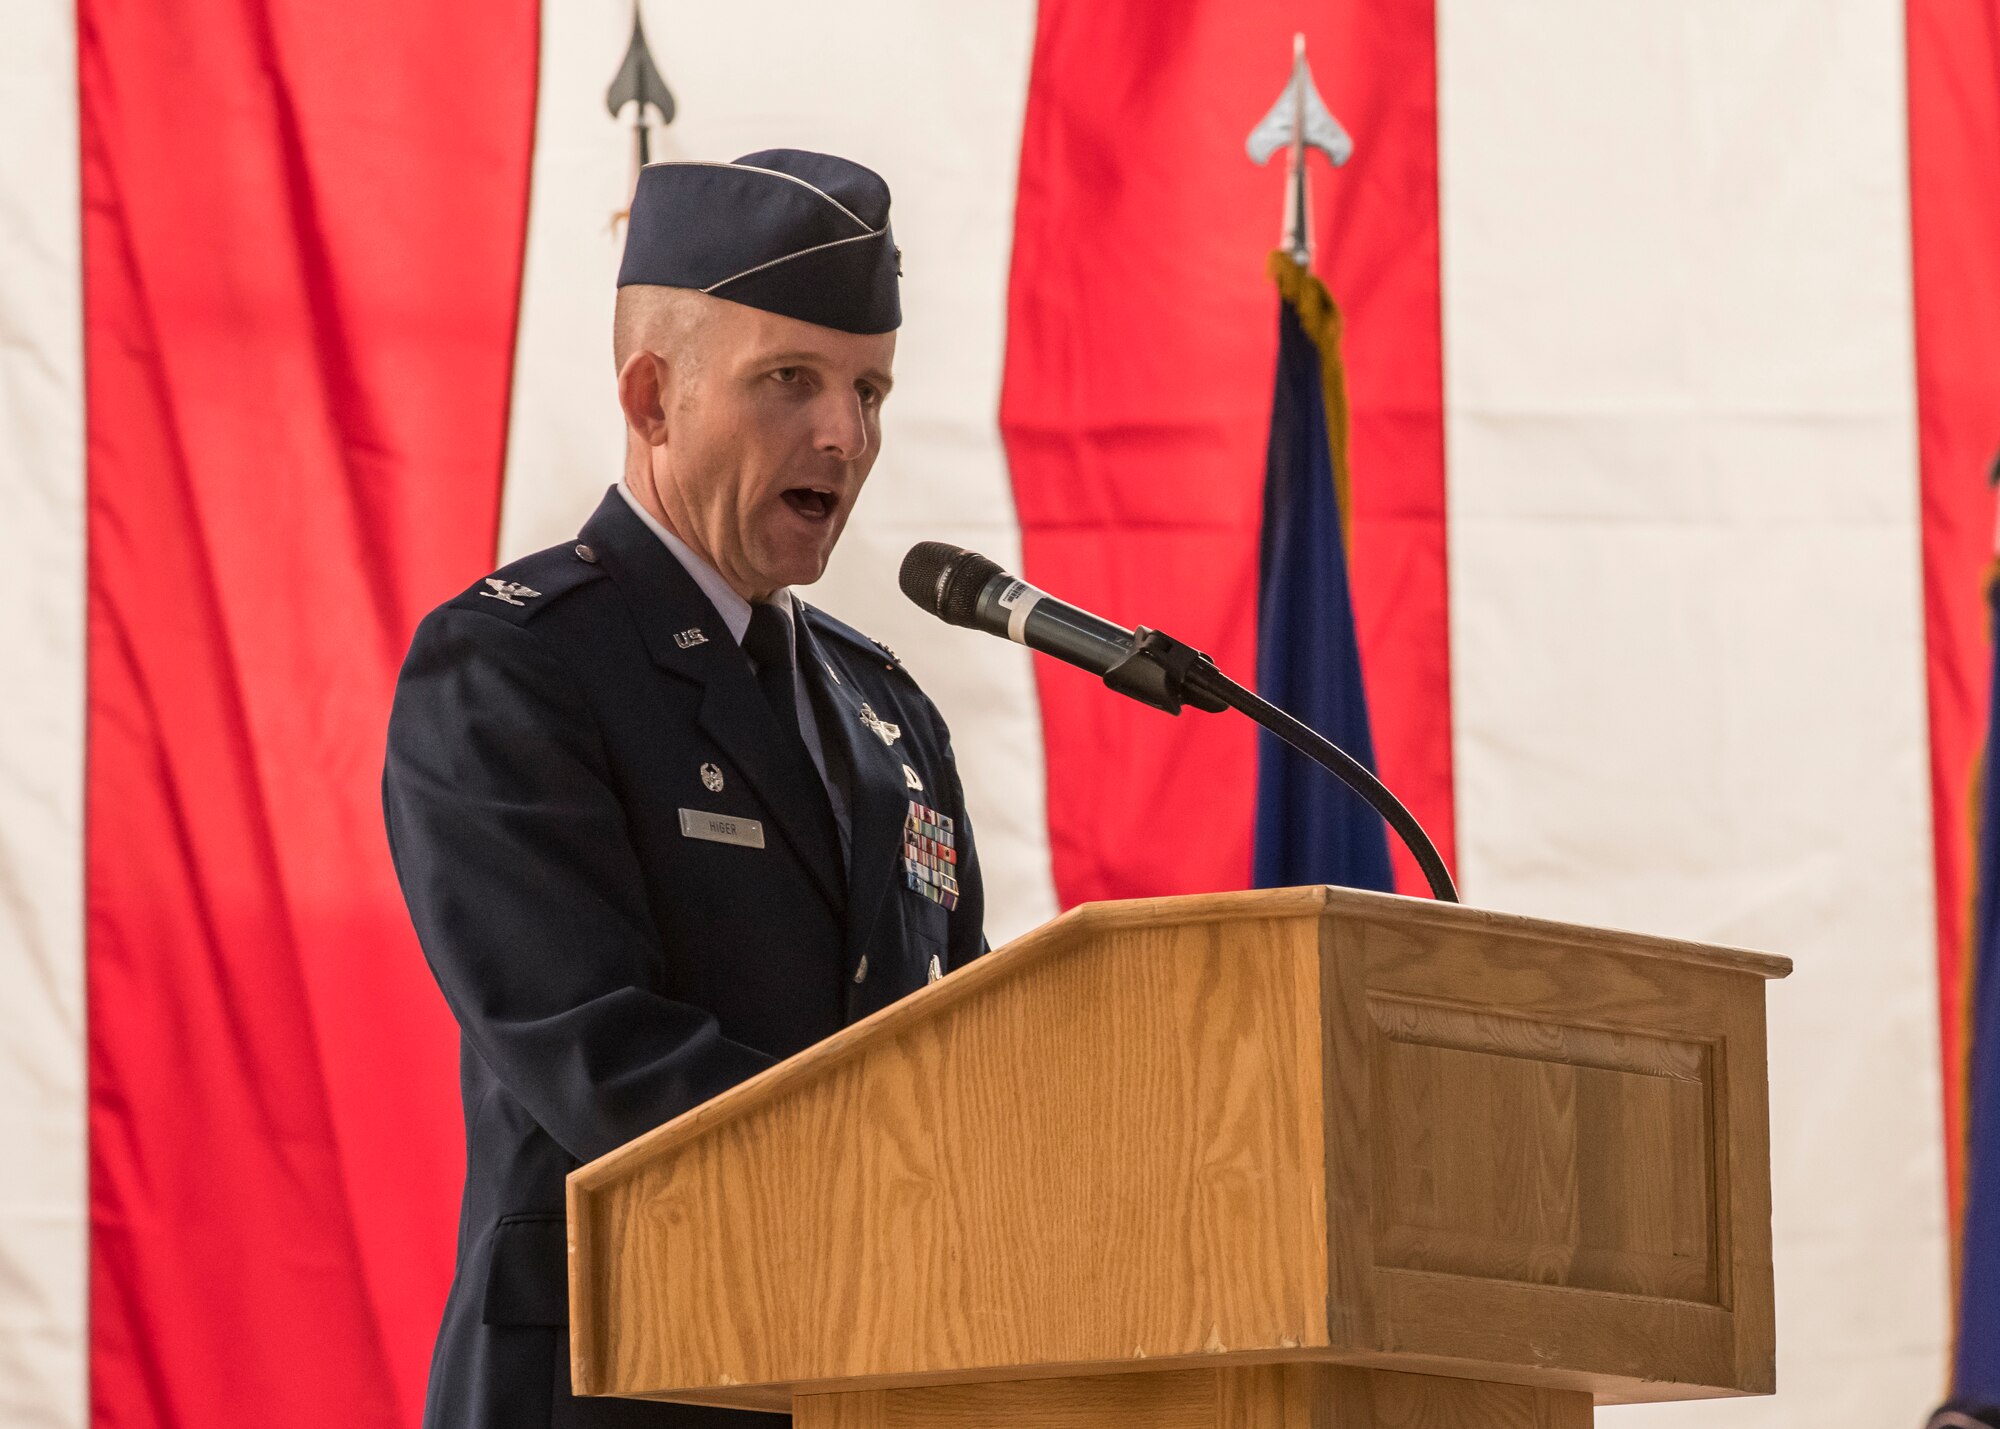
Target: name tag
722	828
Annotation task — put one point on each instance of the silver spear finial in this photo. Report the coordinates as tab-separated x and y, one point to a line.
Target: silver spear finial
1299	121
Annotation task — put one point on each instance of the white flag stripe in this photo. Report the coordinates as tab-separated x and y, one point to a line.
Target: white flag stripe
929	96
42	1215
1686	635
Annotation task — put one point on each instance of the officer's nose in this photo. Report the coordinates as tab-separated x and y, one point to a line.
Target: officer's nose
843	426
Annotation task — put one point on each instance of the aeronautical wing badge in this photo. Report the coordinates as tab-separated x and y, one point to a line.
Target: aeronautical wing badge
888	733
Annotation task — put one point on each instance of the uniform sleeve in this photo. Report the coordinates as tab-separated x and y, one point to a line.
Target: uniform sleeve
526	893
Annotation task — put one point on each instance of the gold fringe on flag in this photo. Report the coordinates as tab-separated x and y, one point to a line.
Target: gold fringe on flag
1319	315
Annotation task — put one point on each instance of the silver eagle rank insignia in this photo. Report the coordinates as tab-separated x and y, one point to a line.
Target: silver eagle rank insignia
509	591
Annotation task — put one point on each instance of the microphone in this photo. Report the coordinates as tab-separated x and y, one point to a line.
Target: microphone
962	587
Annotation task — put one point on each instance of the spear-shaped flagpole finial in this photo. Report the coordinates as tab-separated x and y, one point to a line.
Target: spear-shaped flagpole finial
1299	121
638	83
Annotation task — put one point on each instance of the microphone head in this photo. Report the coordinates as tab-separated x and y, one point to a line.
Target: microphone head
946	579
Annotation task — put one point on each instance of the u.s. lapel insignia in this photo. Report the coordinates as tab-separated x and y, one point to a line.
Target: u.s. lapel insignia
689	638
911	781
889	733
711	778
930	855
509	591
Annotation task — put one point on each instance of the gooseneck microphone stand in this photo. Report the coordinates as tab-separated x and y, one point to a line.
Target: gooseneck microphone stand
1164	673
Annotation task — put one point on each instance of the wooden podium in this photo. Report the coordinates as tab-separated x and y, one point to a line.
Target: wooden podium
1305	1158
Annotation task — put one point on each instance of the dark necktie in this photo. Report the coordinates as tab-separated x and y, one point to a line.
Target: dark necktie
768	643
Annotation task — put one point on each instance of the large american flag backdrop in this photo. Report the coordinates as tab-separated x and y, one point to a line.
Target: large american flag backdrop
1673	342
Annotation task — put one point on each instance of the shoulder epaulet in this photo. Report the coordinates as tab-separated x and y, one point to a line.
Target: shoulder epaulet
826	624
521	589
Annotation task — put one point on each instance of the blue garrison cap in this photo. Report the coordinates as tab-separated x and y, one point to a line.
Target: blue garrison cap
801	234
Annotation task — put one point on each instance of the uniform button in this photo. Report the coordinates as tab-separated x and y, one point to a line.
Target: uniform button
584	553
861	971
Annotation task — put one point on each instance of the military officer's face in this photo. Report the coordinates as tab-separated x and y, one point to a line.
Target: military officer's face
768	428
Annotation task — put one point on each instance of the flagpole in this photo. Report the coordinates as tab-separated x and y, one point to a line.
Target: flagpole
640	84
1167	674
1299	121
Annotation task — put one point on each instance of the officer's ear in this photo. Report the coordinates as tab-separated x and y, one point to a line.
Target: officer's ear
642	383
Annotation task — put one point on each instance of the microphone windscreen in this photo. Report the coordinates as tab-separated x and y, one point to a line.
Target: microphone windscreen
946	579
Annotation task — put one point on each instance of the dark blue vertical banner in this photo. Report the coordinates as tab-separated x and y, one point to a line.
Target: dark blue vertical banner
1310	827
1976	1376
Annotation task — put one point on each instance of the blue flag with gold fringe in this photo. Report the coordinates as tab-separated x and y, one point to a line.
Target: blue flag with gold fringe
1310	828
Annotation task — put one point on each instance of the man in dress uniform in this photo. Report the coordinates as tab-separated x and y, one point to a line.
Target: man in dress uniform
659	822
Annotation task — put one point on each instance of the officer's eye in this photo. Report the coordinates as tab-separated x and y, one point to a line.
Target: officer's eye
787	375
869	395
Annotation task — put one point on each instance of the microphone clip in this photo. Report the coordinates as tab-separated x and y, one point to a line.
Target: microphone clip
1163	673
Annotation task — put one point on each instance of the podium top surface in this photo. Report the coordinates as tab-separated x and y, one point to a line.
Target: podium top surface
1088	920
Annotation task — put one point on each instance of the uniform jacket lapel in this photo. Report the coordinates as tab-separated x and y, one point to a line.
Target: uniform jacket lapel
671	611
878	800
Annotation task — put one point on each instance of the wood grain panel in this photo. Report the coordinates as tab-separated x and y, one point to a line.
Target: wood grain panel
1147	1113
1543	1152
1623	1349
1247	1397
1185	1399
1289	1140
1347	1105
1552	1031
1416	1401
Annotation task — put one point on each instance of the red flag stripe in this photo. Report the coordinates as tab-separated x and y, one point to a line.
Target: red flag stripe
303	232
1954	97
1141	342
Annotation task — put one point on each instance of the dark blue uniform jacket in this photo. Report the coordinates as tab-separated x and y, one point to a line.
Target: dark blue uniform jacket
607	971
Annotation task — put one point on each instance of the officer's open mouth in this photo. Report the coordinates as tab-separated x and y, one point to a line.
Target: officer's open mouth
815	503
